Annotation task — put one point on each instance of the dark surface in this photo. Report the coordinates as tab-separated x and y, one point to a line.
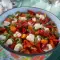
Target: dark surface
56	54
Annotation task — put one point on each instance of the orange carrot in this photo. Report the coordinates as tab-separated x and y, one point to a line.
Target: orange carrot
13	28
23	36
44	41
30	27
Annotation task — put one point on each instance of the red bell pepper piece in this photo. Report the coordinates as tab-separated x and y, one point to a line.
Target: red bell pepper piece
13	45
27	44
31	12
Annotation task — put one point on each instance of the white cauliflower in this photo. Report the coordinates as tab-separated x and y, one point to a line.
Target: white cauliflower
46	29
18	47
40	16
38	25
34	19
38	38
22	18
30	37
14	21
49	47
17	34
9	42
2	37
6	23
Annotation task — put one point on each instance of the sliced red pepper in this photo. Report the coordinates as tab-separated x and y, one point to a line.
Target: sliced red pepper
24	24
2	30
39	47
13	45
24	30
27	44
18	25
27	51
46	20
19	21
43	46
52	43
34	50
41	32
46	34
31	12
32	22
49	26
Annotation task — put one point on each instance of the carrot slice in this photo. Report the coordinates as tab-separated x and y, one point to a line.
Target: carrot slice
44	41
23	36
13	28
30	27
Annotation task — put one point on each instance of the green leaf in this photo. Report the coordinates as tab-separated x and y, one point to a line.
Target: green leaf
18	12
11	16
18	40
2	41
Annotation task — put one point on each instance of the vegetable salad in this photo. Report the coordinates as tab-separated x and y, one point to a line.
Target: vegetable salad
29	33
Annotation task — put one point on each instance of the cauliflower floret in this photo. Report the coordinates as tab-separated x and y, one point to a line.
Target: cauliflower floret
29	23
9	42
42	17
6	23
18	47
17	34
2	37
37	15
14	21
38	25
34	19
22	18
46	29
30	37
38	38
49	47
